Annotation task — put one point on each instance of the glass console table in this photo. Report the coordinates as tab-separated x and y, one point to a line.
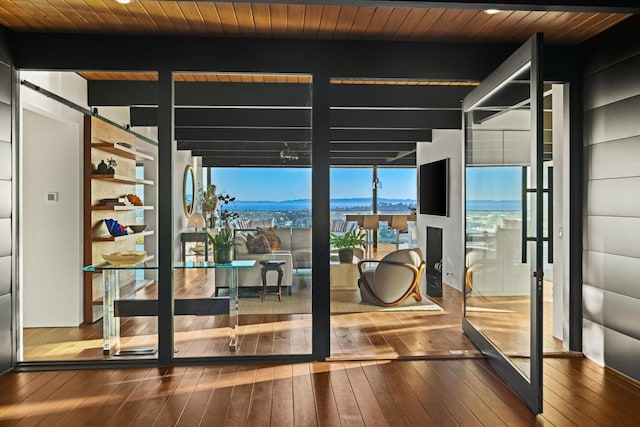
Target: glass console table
233	290
111	293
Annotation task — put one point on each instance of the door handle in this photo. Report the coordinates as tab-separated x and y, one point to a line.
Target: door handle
550	214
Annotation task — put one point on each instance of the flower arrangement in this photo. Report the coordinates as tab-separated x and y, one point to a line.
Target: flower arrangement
225	213
217	204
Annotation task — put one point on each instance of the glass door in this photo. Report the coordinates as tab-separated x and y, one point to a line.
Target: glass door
504	220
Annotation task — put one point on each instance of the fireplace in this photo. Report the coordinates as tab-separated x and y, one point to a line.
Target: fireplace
433	270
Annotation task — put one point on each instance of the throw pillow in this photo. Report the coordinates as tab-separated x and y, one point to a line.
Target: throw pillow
241	245
258	244
271	234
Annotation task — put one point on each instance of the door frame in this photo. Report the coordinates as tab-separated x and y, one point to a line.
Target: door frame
530	391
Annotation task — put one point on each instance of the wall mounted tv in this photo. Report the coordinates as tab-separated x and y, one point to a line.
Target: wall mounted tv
433	189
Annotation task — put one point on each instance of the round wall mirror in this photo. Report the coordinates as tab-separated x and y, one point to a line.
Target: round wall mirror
188	192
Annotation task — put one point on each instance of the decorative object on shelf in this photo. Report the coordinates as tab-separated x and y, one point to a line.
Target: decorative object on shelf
188	191
111	166
134	199
346	243
115	228
125	258
223	246
115	201
196	221
138	228
102	168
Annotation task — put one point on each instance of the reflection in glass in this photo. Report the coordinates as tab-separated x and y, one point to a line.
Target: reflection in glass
499	156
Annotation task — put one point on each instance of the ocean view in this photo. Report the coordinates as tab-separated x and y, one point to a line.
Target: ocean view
364	205
482	215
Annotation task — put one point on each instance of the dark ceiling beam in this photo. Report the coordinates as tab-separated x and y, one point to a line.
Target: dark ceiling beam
240	162
272	118
619	6
247	153
144	93
258	135
372	146
255	117
137	93
242	134
384	135
431	119
253	162
236	146
335	58
404	96
242	146
406	161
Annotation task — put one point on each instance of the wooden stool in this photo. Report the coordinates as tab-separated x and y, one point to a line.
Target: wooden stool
273	265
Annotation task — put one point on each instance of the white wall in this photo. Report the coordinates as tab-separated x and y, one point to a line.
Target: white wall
446	143
51	233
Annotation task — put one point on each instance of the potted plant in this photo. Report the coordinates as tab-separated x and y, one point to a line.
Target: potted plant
345	244
223	246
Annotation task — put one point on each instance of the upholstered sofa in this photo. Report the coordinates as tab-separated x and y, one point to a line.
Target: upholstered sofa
295	250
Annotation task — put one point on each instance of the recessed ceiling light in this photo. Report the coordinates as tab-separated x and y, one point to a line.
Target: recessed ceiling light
124	1
492	11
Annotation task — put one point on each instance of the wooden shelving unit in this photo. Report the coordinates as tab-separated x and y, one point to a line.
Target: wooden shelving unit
121	179
120	150
122	208
123	237
103	141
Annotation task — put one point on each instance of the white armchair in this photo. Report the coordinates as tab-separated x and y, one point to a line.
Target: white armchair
393	280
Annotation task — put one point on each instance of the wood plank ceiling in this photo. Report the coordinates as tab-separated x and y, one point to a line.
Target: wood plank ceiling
315	21
363	133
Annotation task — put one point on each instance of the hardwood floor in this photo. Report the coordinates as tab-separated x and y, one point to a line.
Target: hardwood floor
359	336
399	368
394	393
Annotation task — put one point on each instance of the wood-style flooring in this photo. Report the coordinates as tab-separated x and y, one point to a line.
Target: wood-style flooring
395	369
463	392
354	336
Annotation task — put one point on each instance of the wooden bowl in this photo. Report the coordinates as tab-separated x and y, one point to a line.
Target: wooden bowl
125	258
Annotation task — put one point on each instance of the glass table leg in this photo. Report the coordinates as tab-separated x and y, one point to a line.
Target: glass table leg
233	310
110	324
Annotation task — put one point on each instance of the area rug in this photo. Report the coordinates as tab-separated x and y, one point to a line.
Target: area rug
299	302
349	302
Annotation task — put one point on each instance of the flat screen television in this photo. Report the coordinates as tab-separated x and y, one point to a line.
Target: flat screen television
433	188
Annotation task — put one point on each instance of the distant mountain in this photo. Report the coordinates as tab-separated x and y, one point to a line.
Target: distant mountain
341	203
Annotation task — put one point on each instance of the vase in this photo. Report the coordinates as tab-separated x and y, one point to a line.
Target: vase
211	220
223	254
345	256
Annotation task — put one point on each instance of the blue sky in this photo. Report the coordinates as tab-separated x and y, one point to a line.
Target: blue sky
279	184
